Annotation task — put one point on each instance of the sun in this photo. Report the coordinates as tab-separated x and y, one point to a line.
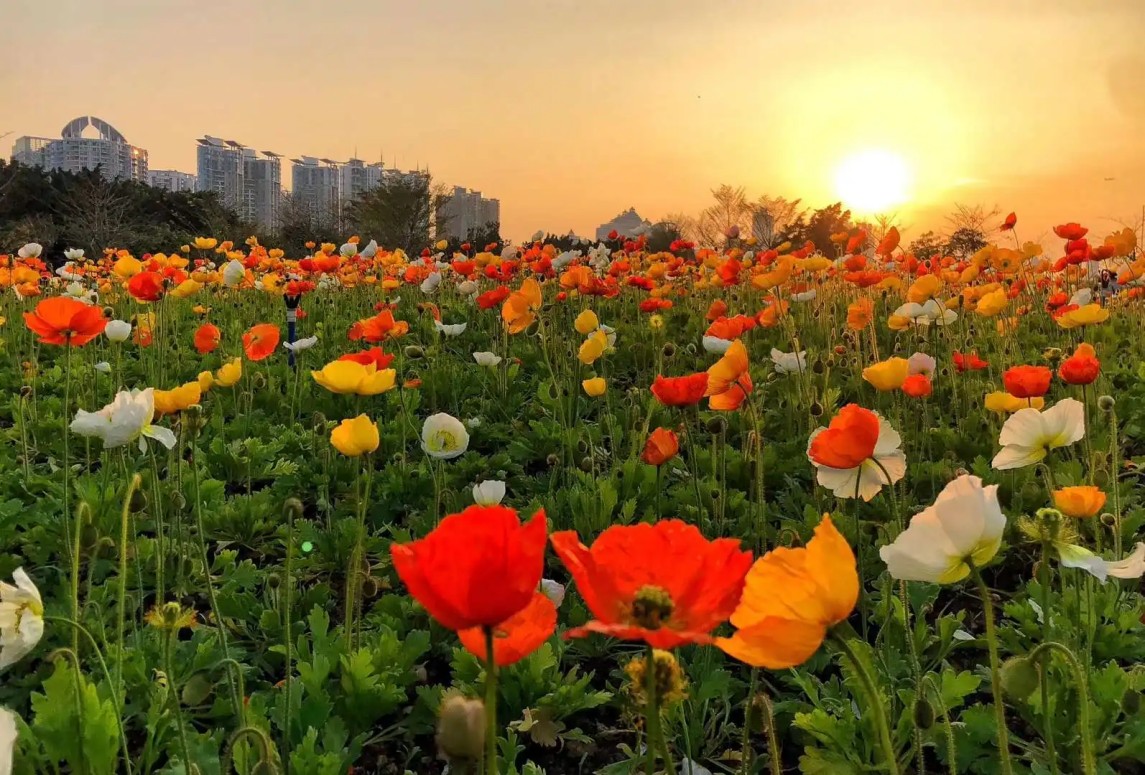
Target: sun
872	181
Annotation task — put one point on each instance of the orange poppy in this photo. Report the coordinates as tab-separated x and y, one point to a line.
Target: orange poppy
1082	367
1027	381
60	320
849	439
518	636
859	313
493	298
260	341
680	391
478	568
1080	502
379	328
664	584
662	446
728	380
889	242
146	286
374	355
790	598
1071	231
1010	222
717	310
520	309
917	386
207	338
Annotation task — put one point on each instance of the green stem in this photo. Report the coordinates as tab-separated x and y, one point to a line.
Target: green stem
1088	760
1043	674
490	705
995	673
874	701
173	689
652	722
745	753
121	613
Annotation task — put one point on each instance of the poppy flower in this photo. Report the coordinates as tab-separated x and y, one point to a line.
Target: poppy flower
1070	231
887	375
1027	381
1029	434
146	286
207	338
521	307
1080	502
680	391
355	437
177	399
374	355
969	362
662	446
664	583
889	242
790	599
478	568
353	378
728	380
860	313
518	636
379	328
717	310
856	454
60	320
260	341
1010	222
1085	315
917	386
1003	403
1082	367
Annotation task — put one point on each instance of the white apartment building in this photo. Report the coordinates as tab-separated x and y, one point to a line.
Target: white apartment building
221	170
466	211
85	143
171	180
356	177
316	184
262	187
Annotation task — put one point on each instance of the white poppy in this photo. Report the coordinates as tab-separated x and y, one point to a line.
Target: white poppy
609	334
554	591
73	254
886	465
467	288
233	273
117	330
370	250
473	423
788	363
489	493
301	344
103	367
76	290
455	329
21	618
564	259
804	296
509	252
429	284
1132	567
925	314
1029	434
921	363
713	344
7	740
31	250
487	359
1082	297
444	437
348	250
538	235
67	271
964	522
124	420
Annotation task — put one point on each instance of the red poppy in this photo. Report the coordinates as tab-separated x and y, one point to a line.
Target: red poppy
1027	381
680	391
478	568
664	584
518	636
849	439
917	386
1082	367
856	242
654	305
717	310
969	362
260	341
493	298
379	328
613	234
374	355
207	338
1070	231
1010	222
60	320
662	446
146	286
889	242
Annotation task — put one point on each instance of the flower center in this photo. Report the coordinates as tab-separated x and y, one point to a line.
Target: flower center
652	607
445	440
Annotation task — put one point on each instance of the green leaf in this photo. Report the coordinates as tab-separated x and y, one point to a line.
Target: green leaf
74	725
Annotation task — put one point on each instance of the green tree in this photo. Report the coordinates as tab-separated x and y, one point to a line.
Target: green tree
400	212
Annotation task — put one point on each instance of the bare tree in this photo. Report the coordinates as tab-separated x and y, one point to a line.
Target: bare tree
776	211
95	214
975	218
731	209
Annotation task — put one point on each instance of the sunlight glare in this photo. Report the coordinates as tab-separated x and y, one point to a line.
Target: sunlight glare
872	181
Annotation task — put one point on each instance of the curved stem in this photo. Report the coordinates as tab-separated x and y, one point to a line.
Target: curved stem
173	688
1088	761
995	673
121	613
1043	674
490	705
874	701
951	751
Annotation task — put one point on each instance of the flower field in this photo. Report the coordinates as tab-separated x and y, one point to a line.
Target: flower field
823	509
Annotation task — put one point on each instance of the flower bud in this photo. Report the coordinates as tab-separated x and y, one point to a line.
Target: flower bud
717	425
413	352
138	501
1106	403
1019	678
461	729
923	713
668	349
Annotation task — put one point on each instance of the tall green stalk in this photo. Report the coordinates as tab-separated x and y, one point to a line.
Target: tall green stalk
995	673
874	701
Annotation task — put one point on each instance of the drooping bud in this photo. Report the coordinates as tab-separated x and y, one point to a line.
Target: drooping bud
1019	678
461	729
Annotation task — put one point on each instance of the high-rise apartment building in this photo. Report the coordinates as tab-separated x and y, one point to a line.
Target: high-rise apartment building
221	169
466	211
86	143
356	177
171	180
262	186
316	185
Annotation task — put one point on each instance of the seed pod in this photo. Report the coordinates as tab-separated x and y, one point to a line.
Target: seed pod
274	581
816	409
668	350
717	425
370	587
138	501
585	464
413	352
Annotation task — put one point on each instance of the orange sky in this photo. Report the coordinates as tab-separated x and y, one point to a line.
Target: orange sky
571	111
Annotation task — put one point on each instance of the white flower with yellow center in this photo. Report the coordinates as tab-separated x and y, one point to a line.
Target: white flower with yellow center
444	437
21	618
124	420
1029	434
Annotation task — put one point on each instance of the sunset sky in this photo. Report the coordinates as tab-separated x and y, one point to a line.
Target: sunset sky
570	112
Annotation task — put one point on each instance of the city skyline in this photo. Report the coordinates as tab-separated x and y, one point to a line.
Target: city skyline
666	102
